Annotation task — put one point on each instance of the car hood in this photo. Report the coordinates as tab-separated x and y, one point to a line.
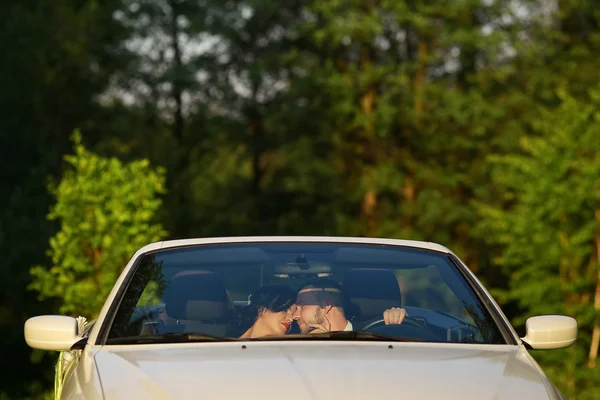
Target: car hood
319	370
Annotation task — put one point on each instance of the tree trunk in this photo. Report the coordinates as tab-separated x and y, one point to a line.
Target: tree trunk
178	185
596	332
257	133
177	84
420	80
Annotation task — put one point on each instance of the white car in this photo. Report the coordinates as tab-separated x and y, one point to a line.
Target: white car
170	328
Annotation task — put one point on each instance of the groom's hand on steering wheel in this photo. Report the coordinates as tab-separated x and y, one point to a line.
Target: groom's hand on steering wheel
394	315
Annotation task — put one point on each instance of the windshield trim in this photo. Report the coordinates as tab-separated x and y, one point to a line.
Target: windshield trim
506	332
425	245
116	303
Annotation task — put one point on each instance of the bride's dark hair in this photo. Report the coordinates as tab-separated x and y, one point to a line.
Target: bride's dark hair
274	298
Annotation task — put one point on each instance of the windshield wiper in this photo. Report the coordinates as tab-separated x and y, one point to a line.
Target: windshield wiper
343	335
171	337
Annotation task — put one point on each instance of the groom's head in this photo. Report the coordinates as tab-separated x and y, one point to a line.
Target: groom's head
315	300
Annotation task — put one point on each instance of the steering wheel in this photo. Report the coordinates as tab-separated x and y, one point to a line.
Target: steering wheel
407	320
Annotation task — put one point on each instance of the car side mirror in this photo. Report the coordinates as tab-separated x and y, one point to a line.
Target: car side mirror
550	332
51	332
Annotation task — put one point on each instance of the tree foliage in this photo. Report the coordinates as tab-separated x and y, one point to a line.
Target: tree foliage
59	57
470	123
106	211
550	234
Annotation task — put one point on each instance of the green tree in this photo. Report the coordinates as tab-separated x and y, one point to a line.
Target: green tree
106	211
550	232
59	55
391	109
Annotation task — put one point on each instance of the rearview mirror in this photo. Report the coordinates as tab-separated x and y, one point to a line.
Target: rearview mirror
51	332
550	331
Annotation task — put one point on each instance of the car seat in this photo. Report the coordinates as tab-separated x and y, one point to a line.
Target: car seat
371	291
197	301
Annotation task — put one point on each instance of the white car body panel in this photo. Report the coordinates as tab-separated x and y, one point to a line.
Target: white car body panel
84	382
319	370
304	370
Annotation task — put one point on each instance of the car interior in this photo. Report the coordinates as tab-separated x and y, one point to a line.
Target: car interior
208	296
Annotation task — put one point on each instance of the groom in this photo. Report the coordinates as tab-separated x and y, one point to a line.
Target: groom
320	308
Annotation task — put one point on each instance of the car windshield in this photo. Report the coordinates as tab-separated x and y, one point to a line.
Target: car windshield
281	291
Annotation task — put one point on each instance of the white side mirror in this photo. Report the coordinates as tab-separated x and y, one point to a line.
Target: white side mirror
550	331
51	332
